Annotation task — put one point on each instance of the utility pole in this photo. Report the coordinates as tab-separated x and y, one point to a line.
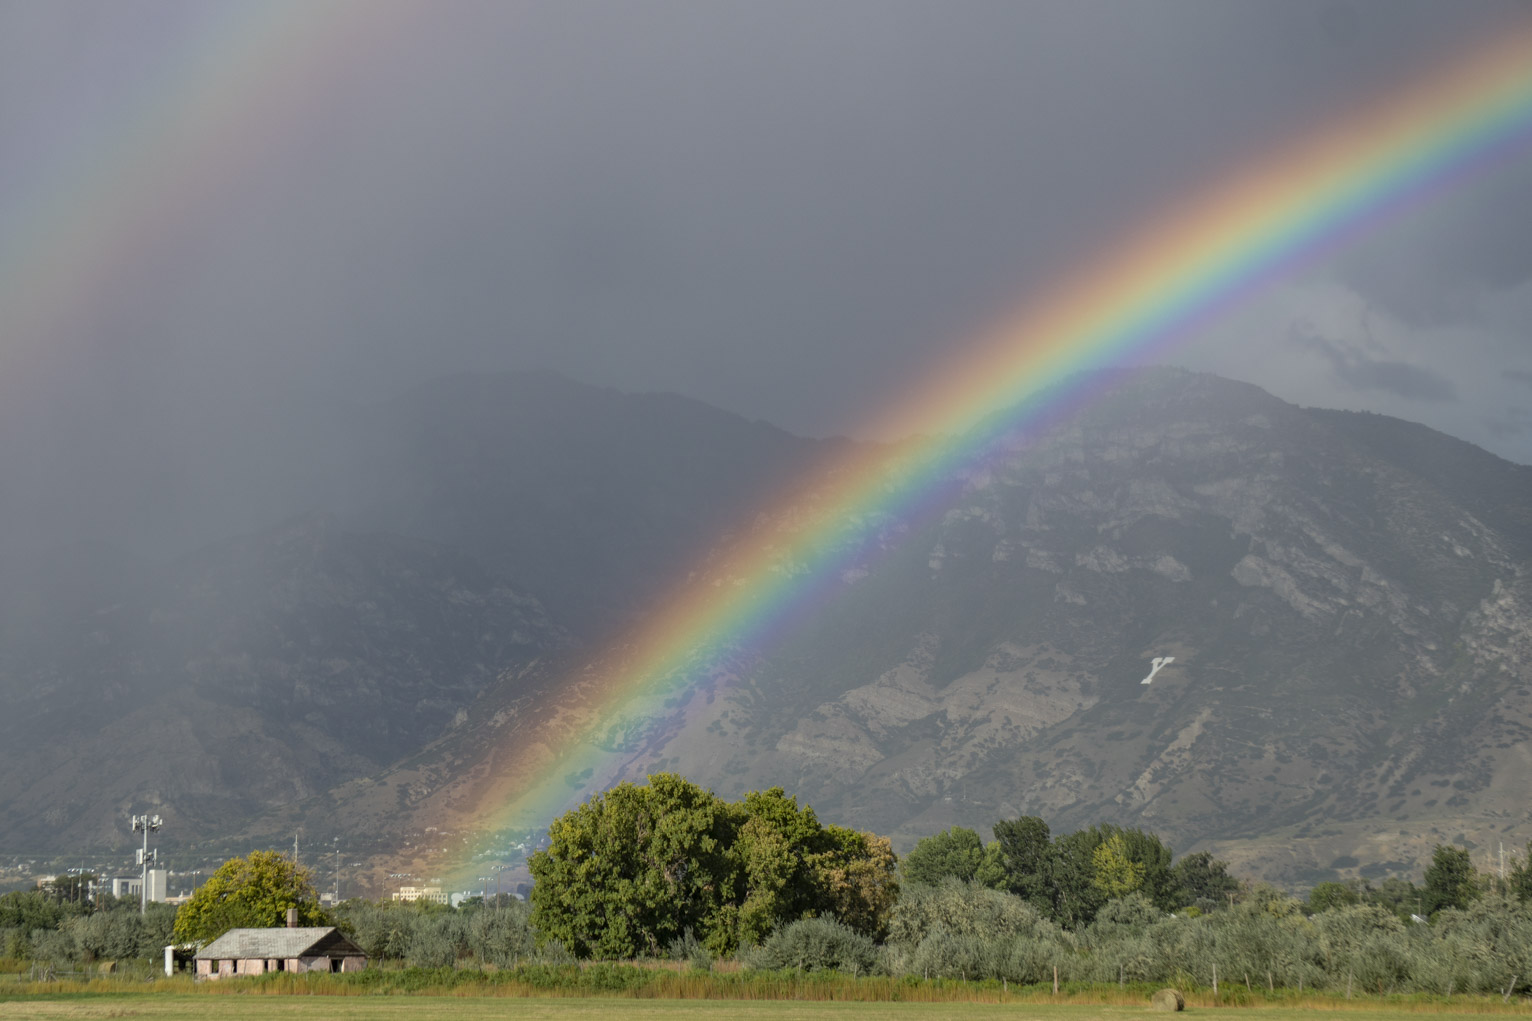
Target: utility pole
147	824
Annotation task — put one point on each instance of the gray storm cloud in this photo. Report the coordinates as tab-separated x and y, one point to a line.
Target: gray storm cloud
1360	369
793	211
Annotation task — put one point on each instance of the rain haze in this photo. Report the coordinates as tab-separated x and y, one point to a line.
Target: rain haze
227	221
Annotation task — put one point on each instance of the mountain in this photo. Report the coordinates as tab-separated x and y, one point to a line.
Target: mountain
1496	491
593	499
254	672
1340	602
1343	601
465	532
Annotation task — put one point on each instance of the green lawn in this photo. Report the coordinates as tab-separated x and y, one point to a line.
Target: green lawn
237	1007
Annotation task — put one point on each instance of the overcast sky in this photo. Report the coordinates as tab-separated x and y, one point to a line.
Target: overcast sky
789	209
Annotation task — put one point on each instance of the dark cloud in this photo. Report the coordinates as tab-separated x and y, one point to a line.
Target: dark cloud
711	197
1434	264
1522	376
1357	367
793	210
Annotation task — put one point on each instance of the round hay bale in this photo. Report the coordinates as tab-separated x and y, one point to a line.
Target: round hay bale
1168	999
106	967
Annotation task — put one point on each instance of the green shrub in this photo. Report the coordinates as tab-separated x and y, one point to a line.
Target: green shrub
816	944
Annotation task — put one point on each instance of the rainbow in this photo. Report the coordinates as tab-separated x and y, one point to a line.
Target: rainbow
234	93
197	131
1149	290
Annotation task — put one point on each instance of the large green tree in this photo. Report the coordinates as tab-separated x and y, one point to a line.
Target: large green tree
1142	854
1521	877
26	910
855	879
957	854
771	849
1202	881
1070	878
250	892
634	868
1076	895
1115	873
1449	880
1026	850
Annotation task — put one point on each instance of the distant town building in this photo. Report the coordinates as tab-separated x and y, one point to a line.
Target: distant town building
411	894
131	887
159	881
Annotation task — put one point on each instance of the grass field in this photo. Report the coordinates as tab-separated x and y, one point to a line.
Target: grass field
631	993
149	1006
668	996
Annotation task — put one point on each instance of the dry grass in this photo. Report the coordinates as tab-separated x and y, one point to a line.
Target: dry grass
177	1006
685	991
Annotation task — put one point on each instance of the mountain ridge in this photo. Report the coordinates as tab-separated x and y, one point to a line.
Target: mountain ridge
1272	554
1345	600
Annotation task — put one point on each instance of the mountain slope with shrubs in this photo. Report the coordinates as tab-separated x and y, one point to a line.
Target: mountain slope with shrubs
1340	606
1339	621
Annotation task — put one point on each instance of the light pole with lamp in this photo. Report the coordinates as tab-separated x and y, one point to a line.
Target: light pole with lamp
497	870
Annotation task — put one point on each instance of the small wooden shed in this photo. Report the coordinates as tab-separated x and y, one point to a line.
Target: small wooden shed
258	951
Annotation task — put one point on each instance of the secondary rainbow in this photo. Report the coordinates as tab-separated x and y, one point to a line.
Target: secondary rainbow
1151	288
195	131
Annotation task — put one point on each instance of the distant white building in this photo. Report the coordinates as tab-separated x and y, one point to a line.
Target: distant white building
411	894
159	882
131	887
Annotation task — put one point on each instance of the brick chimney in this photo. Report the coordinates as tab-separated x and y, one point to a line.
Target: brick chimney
292	918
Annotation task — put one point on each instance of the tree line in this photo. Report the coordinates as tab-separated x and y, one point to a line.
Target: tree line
1071	878
667	869
57	925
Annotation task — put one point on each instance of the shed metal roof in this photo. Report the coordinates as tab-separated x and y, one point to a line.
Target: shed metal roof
308	941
